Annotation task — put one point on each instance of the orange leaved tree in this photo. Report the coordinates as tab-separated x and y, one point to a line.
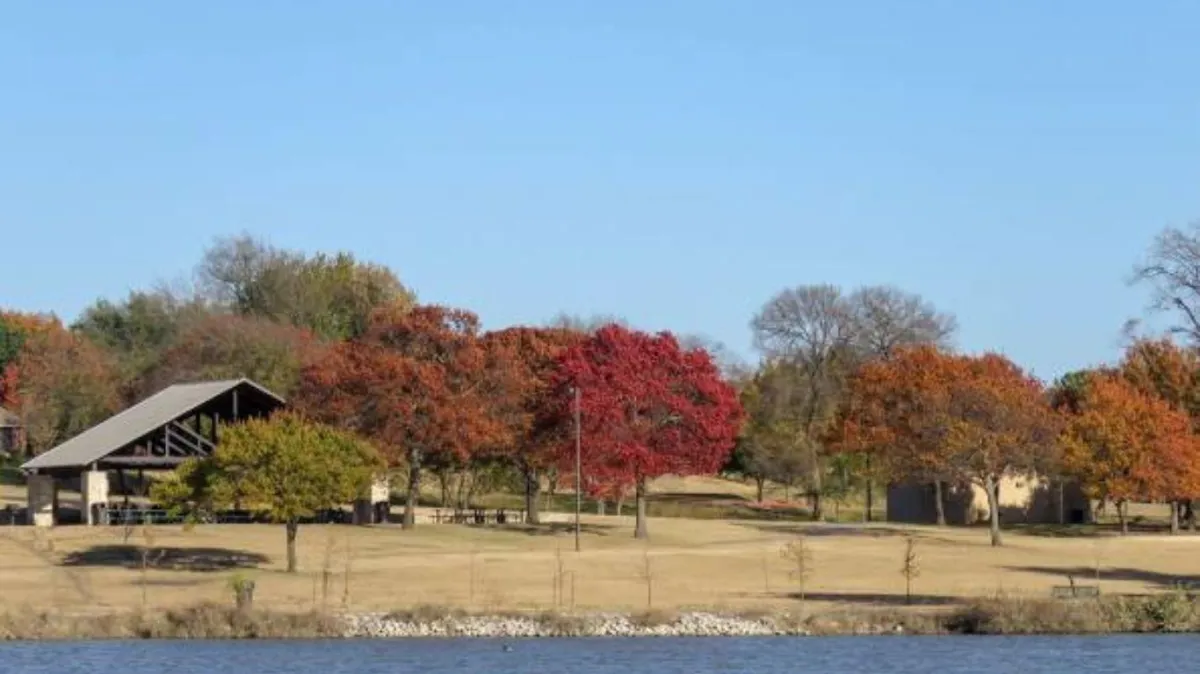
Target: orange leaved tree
932	415
999	422
893	414
1125	444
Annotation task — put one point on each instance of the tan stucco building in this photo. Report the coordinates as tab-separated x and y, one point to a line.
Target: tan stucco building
1023	500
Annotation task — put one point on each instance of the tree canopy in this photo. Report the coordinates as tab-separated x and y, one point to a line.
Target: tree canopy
416	382
1122	443
648	408
284	466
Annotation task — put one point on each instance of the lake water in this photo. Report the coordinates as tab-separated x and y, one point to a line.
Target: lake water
856	655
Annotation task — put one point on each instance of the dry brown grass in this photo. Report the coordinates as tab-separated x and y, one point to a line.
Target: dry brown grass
710	564
202	621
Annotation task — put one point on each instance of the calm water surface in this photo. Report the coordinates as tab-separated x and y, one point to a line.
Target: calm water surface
857	655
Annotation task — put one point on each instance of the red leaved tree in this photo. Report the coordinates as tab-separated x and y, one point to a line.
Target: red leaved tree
523	361
648	408
416	382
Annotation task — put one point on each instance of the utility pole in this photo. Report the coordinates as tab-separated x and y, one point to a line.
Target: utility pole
578	469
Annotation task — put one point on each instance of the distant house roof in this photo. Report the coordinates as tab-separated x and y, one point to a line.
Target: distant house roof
140	421
9	419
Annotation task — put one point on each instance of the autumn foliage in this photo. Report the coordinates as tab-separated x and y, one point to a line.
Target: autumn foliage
524	360
417	383
1126	444
59	384
933	416
648	408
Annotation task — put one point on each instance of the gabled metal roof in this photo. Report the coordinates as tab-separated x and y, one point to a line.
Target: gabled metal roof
136	422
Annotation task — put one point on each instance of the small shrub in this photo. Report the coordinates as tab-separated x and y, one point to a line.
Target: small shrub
563	624
426	613
654	617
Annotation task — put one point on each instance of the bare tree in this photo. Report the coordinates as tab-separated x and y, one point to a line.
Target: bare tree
731	365
1172	269
587	324
811	327
887	318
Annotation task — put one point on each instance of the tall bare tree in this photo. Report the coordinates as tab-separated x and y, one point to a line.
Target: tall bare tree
887	318
812	327
1172	269
825	334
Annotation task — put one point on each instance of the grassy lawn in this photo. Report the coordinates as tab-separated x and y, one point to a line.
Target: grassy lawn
692	560
696	563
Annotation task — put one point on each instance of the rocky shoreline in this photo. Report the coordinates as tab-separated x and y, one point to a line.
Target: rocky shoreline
690	624
1165	612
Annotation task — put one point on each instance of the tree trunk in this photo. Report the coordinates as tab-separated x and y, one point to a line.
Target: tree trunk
939	503
532	486
759	484
818	512
639	529
444	481
1062	503
414	490
1121	517
293	528
869	515
992	486
1176	506
621	502
600	507
1189	514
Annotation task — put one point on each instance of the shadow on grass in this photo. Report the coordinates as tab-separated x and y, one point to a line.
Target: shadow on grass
876	599
179	559
1088	573
555	529
817	529
1089	530
696	497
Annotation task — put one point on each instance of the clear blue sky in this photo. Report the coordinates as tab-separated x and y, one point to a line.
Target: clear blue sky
673	162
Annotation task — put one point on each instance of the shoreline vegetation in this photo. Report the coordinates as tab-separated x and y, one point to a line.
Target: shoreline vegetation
1170	612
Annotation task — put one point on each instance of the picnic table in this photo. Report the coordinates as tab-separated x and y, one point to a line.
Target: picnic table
478	516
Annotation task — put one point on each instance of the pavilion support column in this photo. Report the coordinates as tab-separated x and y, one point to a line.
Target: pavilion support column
95	493
374	506
43	500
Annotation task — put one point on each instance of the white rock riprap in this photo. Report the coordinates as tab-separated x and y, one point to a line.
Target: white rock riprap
698	624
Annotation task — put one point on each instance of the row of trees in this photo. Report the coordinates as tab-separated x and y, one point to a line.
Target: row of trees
863	388
435	393
349	346
252	310
854	390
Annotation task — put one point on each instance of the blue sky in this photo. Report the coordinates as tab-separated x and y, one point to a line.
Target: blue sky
672	162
